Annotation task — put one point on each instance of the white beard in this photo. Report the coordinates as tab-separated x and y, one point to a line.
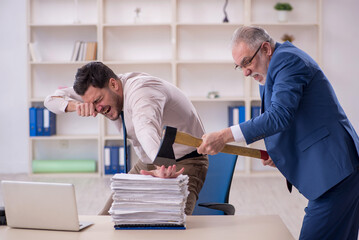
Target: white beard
263	80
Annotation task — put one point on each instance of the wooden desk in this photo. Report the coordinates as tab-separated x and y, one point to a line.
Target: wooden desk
198	227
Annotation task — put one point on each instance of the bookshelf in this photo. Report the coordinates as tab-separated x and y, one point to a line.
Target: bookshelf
181	41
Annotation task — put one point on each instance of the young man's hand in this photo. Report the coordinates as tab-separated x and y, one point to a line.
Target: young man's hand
163	172
82	109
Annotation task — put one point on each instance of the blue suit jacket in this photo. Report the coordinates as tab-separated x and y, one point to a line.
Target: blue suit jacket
306	132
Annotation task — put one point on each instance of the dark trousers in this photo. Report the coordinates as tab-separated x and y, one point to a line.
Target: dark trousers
334	215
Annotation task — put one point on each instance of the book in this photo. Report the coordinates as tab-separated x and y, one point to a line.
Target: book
49	123
84	51
81	56
39	121
127	162
75	51
34	52
42	122
32	121
114	159
107	160
121	159
91	51
236	115
242	114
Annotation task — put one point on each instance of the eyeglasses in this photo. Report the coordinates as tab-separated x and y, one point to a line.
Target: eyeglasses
246	62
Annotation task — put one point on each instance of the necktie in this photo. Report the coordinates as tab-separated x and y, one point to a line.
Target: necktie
125	142
289	186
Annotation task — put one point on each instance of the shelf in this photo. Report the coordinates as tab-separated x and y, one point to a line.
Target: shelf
159	69
184	42
290	24
124	11
47	41
46	78
112	25
209	43
198	80
214	24
220	99
59	63
192	62
304	11
142	43
139	62
209	11
114	137
62	12
63	25
65	175
253	99
66	137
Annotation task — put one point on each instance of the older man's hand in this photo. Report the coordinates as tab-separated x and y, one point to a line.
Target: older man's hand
268	162
214	142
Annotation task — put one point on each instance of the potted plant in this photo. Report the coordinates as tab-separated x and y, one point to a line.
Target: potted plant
287	37
283	9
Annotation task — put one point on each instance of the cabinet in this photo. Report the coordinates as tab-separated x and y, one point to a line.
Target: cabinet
184	42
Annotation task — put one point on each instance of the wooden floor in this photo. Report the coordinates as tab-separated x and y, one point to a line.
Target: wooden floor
251	195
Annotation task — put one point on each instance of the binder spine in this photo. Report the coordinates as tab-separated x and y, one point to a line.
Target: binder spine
40	122
236	115
32	121
107	160
114	159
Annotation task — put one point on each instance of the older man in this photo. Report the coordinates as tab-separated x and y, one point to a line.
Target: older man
307	134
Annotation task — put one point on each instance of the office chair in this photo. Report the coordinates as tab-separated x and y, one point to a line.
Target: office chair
213	198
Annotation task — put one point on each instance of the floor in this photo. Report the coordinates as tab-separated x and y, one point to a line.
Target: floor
251	195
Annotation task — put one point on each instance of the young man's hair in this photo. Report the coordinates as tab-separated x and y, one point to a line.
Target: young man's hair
94	74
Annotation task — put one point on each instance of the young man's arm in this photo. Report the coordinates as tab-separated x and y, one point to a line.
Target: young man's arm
66	100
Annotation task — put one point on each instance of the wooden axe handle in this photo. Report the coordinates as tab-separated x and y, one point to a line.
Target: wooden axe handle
188	140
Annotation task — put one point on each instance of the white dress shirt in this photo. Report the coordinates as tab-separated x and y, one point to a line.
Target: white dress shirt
149	104
237	133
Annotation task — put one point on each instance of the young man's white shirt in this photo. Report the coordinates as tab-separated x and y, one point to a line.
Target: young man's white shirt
149	104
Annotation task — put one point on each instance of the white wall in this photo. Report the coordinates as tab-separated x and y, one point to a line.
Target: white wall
13	96
340	53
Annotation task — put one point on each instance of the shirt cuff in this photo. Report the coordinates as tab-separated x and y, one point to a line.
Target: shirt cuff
56	105
237	133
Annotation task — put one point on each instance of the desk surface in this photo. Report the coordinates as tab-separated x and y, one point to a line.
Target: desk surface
198	227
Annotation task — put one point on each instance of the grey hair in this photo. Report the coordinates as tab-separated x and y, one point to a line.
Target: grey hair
252	36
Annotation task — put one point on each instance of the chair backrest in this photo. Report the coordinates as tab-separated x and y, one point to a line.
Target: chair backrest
218	183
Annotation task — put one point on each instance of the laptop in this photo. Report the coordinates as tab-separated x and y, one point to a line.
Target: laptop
40	205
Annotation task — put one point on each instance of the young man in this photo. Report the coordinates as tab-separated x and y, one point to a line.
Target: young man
307	134
148	104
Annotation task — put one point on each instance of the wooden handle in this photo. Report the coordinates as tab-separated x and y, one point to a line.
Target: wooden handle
188	140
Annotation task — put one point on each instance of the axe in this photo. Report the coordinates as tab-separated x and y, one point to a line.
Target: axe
166	156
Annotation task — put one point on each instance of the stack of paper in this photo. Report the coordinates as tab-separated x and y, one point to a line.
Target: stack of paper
147	201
